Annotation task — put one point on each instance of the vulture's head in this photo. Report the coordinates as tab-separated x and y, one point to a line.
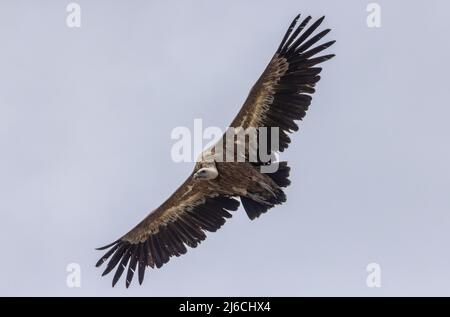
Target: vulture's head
206	173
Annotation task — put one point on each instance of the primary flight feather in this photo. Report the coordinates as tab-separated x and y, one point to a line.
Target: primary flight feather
203	202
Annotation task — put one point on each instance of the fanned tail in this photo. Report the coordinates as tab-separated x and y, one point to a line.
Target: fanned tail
255	205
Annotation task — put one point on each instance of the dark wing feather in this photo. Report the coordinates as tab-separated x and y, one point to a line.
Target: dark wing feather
179	222
282	94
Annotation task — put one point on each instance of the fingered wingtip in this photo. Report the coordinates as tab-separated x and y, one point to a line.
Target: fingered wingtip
107	246
100	262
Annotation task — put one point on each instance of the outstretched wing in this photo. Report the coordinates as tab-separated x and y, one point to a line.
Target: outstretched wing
283	92
179	222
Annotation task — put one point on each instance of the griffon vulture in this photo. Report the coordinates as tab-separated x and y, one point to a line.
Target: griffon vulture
203	202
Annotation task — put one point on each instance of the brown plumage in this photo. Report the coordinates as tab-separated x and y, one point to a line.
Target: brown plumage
280	97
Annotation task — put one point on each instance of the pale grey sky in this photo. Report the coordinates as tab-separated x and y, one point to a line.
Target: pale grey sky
85	122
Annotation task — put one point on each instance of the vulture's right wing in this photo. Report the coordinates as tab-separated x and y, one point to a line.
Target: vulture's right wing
180	221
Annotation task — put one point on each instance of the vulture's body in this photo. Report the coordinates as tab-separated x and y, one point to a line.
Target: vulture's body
203	202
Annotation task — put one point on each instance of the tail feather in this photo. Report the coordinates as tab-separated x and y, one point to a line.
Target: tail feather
253	208
254	205
281	176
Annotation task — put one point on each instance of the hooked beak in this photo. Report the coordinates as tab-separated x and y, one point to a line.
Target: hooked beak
197	175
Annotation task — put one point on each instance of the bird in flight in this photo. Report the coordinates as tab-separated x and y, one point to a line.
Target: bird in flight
204	201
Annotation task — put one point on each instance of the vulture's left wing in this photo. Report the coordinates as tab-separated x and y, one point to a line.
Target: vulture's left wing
283	92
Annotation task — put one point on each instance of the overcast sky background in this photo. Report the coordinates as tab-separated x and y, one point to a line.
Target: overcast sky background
85	122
